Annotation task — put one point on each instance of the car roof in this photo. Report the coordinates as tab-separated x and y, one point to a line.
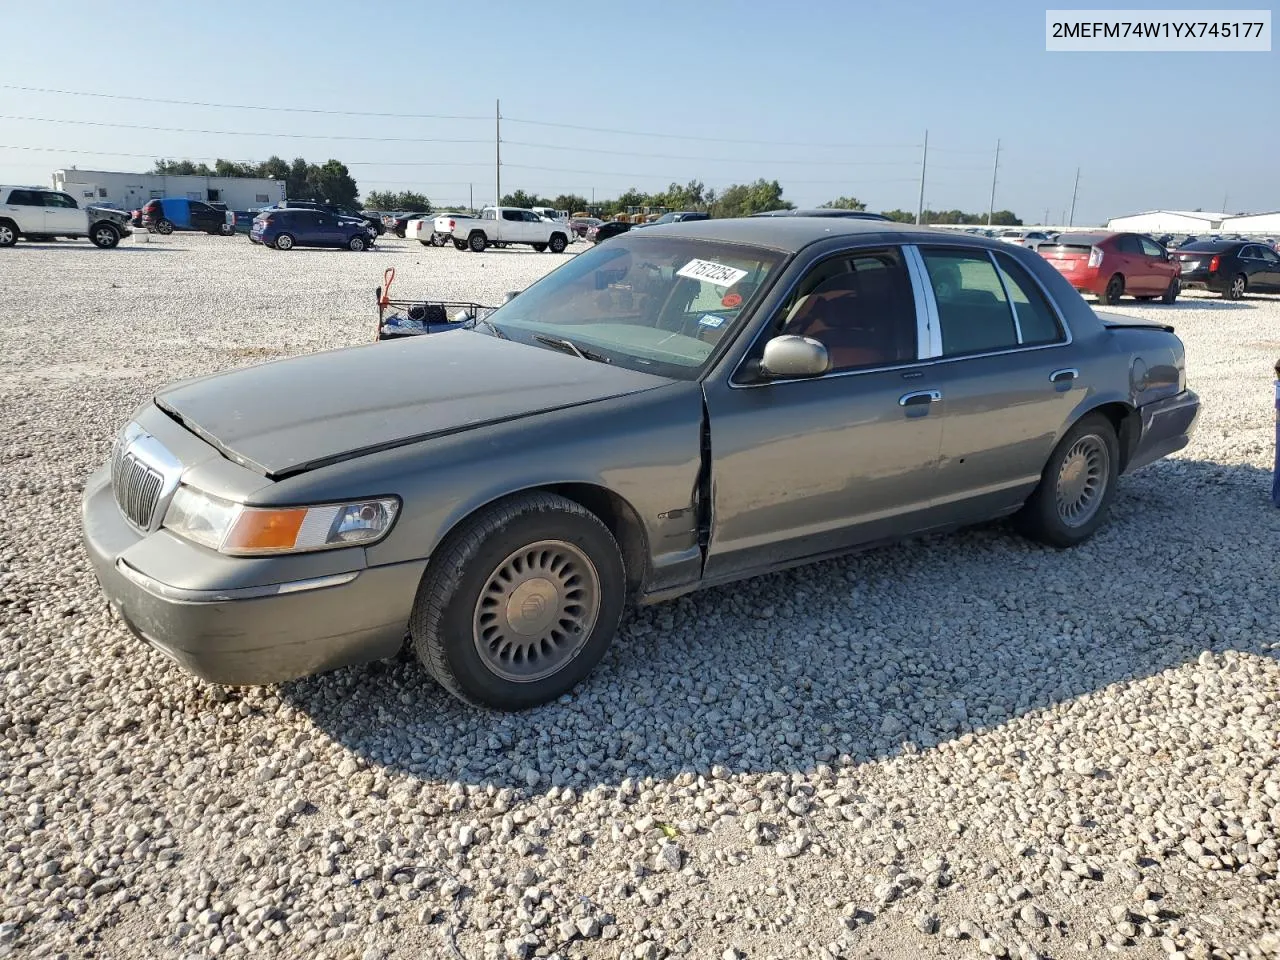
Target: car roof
823	212
1215	244
793	233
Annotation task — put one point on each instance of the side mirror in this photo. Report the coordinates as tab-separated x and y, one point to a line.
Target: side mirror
791	356
510	295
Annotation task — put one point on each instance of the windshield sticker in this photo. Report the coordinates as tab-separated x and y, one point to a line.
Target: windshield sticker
710	320
731	300
711	272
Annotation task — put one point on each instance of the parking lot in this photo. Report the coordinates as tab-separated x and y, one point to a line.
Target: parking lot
957	746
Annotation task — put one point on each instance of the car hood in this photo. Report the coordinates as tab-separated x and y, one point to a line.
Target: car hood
294	415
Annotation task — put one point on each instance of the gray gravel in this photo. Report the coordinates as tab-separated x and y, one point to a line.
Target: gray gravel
963	746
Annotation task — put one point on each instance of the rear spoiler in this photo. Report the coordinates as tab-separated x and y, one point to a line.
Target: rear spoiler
1113	321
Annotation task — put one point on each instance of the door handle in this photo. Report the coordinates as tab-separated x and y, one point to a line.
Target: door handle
1064	376
919	397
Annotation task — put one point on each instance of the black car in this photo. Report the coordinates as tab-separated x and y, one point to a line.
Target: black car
400	225
603	231
1229	267
823	212
678	216
336	210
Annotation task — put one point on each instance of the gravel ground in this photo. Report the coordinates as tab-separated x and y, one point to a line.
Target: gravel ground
962	746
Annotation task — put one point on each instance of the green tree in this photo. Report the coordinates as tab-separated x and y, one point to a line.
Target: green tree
571	202
526	200
413	202
380	200
743	199
900	216
1004	218
182	168
332	182
844	203
274	168
631	198
296	185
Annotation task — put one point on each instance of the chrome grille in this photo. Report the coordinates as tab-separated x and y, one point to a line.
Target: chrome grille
137	488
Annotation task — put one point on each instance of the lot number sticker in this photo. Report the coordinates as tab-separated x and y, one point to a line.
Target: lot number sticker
710	320
711	272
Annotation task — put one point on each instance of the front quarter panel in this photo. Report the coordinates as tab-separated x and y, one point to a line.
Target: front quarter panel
643	448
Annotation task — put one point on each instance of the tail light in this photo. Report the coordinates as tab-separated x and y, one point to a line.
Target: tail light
453	225
1213	264
1095	257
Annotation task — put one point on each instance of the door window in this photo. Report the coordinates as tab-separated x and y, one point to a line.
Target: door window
1249	253
1271	259
59	200
1037	321
1150	247
1128	244
487	215
513	215
974	314
26	198
859	306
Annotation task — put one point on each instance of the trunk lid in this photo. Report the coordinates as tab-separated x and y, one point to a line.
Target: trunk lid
1067	257
294	415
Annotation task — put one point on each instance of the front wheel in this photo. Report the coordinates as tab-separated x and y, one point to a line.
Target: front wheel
1114	291
459	244
284	242
477	242
540	247
1076	487
520	602
357	244
1239	284
558	243
105	236
164	227
425	243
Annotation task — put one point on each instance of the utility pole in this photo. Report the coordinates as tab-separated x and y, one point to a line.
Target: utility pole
471	191
1045	221
1225	197
497	169
1074	190
994	170
924	162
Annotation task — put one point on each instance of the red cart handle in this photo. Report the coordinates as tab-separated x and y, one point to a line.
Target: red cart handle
388	276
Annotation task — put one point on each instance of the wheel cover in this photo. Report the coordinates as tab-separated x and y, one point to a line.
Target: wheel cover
1082	480
284	242
6	234
536	611
104	236
1237	286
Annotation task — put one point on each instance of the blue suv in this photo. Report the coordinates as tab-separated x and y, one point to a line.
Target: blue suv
285	229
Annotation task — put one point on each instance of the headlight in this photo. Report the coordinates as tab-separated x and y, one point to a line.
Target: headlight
238	530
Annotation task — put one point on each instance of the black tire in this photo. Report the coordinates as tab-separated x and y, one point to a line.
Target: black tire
448	612
425	243
1238	287
1144	299
1171	292
558	243
8	233
1114	291
540	247
284	241
104	235
357	244
1043	517
460	244
477	242
164	227
226	229
400	234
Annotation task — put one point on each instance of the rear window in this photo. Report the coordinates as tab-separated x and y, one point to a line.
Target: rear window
1205	245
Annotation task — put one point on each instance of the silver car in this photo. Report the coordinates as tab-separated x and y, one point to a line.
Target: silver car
683	406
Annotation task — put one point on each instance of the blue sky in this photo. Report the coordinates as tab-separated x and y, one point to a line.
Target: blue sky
831	98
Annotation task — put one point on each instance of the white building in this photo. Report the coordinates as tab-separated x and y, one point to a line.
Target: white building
129	191
1168	221
1264	223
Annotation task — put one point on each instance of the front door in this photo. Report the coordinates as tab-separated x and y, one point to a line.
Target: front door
1160	269
62	215
1270	274
801	467
1007	374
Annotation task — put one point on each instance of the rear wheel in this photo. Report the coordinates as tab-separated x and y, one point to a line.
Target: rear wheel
1114	291
164	227
8	233
477	242
1239	284
284	241
520	602
226	229
558	243
104	236
400	234
425	243
1076	487
357	243
1171	292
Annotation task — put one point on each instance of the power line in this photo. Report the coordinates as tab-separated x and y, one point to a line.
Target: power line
240	133
240	106
679	136
656	176
670	156
164	156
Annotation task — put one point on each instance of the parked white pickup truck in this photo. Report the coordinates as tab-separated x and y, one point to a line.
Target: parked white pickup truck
510	225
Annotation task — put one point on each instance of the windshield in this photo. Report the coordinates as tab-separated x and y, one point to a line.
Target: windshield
659	304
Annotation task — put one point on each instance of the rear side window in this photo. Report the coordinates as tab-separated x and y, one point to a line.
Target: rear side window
26	198
973	313
1037	321
1128	244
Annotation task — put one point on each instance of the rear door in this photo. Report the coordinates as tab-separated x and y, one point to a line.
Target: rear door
1007	373
62	215
802	467
26	208
1132	264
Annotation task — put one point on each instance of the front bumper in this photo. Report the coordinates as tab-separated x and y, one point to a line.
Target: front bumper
278	628
1167	426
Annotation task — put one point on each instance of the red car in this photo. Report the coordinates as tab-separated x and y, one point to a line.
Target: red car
1111	265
